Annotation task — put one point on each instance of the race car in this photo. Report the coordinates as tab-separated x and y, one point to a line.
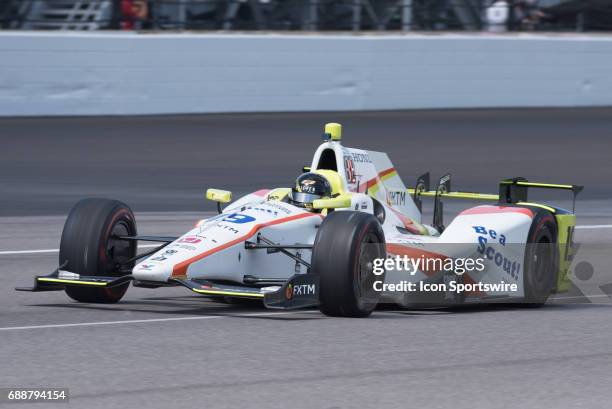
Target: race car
326	243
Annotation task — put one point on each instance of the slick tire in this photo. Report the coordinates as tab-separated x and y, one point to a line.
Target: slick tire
541	259
88	247
344	249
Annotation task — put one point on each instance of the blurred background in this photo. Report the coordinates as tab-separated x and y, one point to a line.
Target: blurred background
308	15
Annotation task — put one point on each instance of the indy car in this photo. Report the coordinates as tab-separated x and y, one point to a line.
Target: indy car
316	244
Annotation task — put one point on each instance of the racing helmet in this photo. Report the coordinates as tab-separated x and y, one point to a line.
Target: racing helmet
308	188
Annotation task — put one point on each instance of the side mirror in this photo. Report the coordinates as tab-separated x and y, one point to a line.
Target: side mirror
339	202
219	196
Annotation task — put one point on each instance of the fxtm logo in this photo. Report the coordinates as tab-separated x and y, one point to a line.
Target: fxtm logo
300	290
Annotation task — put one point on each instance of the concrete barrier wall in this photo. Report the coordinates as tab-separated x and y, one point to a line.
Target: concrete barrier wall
127	73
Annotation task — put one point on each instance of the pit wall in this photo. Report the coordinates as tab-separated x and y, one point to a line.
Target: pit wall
67	73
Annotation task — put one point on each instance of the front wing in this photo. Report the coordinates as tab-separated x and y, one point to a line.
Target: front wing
300	291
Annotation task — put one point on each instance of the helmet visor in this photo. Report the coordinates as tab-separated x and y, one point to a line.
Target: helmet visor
301	197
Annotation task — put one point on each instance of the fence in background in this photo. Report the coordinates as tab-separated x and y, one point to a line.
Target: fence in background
66	73
308	15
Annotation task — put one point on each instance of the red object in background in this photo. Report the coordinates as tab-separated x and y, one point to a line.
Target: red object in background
131	12
127	14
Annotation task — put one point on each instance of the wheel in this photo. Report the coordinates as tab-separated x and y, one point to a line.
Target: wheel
88	247
541	259
343	254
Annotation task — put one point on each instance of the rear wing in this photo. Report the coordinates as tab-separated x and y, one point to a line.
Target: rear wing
515	190
511	191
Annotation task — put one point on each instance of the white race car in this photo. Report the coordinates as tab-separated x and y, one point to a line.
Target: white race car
327	242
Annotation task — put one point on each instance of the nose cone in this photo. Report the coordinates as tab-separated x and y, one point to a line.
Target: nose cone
151	270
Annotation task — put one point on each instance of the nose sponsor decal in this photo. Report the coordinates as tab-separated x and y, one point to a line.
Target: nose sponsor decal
190	240
238	218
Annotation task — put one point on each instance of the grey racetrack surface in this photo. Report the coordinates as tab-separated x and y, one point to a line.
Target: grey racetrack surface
167	348
165	163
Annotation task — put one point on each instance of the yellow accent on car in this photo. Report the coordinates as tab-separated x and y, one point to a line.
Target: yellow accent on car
458	195
279	194
541	206
334	130
78	282
334	180
372	191
565	231
537	184
471	196
218	195
339	202
227	293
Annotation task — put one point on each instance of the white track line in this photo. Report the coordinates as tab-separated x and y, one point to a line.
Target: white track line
144	246
580	297
144	321
2	253
10	252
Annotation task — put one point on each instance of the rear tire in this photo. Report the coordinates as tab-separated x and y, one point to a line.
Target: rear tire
88	247
541	259
343	253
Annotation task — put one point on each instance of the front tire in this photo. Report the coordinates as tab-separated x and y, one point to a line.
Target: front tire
88	247
346	245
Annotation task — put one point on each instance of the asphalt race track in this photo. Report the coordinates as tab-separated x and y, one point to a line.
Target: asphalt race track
167	348
165	163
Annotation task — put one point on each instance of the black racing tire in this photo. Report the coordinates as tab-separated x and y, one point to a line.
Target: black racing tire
541	259
343	253
88	247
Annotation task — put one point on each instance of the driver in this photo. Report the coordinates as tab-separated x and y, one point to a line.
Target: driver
308	188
